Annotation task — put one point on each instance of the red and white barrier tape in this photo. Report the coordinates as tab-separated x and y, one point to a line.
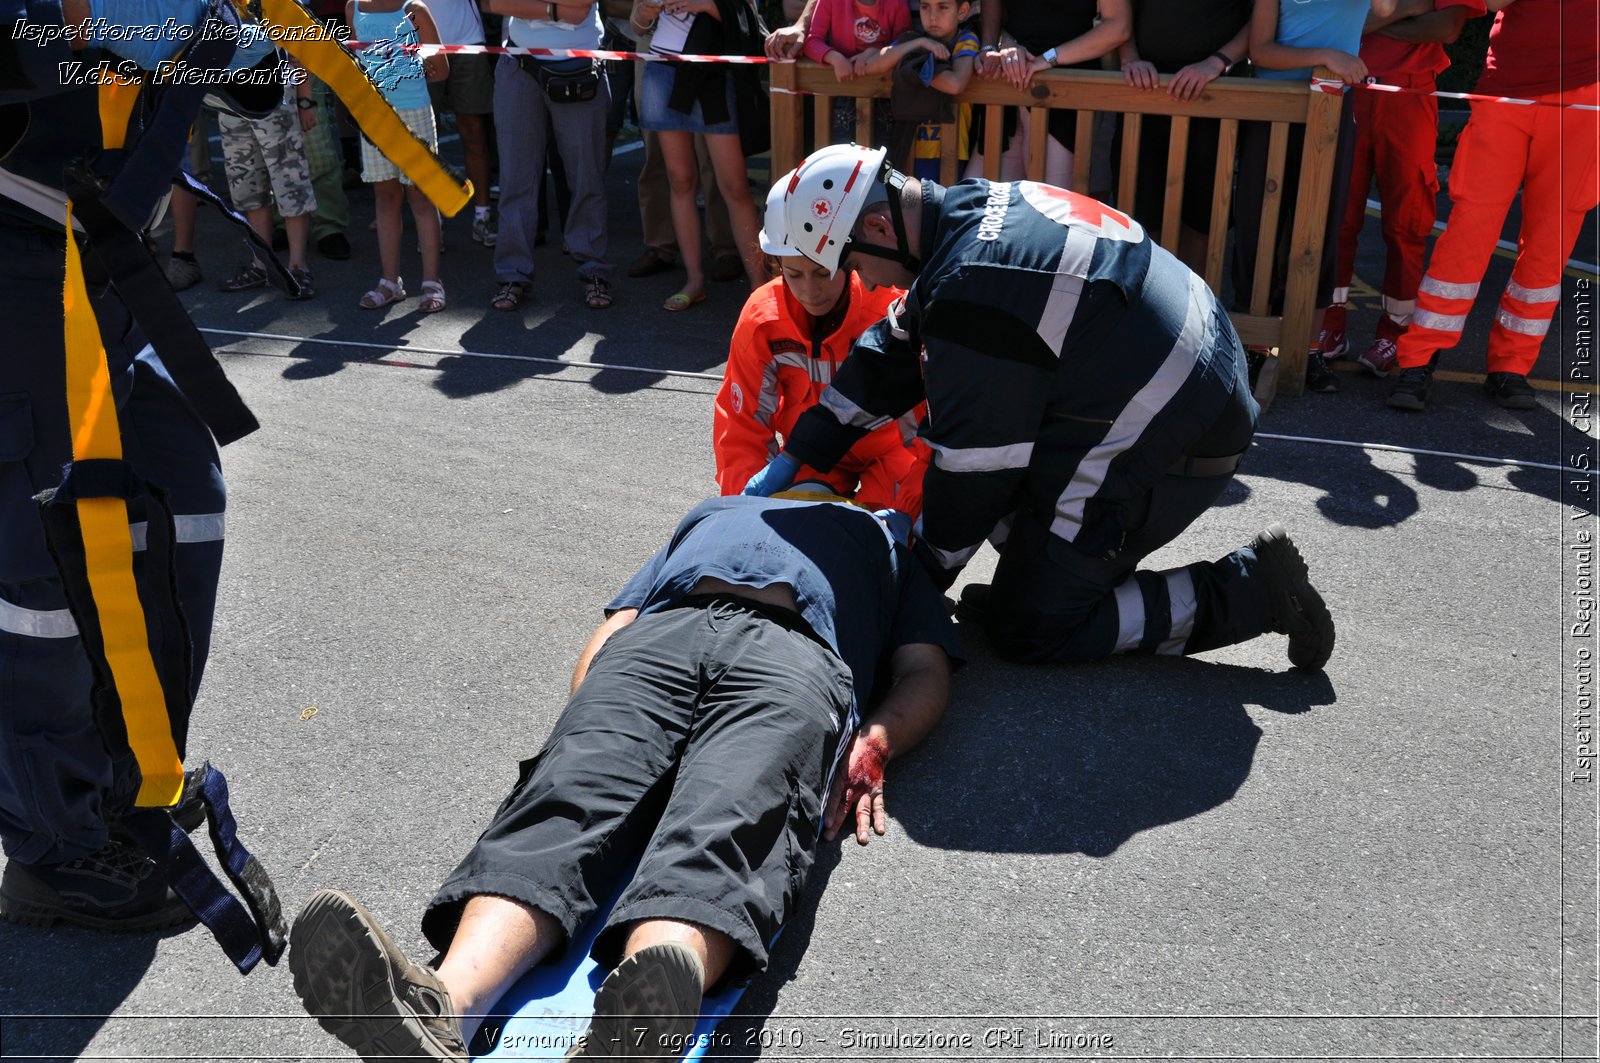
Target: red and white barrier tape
1336	88
1317	84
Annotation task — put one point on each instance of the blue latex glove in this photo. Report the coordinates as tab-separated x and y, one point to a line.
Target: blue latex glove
151	32
778	475
897	523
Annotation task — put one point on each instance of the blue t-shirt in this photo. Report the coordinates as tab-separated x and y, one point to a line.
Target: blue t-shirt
1318	24
397	73
862	594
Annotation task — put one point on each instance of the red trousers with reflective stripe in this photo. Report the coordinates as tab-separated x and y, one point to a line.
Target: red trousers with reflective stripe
1550	153
1396	135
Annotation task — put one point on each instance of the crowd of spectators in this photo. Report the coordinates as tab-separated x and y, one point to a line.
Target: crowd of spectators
520	118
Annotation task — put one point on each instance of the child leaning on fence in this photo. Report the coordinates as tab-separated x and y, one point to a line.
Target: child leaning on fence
841	30
394	28
929	64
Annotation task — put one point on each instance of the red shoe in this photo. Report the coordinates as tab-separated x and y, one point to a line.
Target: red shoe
1380	357
1333	343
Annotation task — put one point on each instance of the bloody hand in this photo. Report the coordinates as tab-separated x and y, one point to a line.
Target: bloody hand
860	788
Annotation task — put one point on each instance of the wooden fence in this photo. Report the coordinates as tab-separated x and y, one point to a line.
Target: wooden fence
1232	100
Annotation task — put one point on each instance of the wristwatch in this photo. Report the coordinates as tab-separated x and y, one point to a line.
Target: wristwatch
1049	56
305	103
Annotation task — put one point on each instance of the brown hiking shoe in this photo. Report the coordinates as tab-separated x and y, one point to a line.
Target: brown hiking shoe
362	989
647	1008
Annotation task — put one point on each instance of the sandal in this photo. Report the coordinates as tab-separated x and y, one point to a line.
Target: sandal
678	302
432	297
598	297
387	291
510	295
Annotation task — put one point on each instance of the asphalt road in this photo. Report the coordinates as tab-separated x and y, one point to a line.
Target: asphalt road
1203	858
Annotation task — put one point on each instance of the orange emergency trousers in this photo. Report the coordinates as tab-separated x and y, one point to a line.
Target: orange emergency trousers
777	370
1550	152
1396	136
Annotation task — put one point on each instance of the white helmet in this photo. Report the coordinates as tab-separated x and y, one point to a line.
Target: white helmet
812	209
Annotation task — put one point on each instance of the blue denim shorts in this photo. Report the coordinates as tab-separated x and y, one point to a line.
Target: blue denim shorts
654	114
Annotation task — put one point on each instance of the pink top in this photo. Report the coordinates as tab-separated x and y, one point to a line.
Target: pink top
833	26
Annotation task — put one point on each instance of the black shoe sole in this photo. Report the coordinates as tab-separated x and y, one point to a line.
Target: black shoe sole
339	957
1297	609
647	1008
23	912
1405	400
1515	402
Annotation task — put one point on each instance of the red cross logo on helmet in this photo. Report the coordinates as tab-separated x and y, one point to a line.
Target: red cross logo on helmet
822	208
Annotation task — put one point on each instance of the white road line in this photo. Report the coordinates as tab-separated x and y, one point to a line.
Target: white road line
398	354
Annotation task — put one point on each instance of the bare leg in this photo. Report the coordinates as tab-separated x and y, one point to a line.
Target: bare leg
733	181
426	215
498	941
714	948
261	221
683	175
299	231
474	130
389	200
183	210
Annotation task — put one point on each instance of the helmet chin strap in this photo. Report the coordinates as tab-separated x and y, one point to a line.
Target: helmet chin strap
901	254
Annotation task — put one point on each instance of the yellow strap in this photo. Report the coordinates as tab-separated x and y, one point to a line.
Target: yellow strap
116	107
308	41
108	549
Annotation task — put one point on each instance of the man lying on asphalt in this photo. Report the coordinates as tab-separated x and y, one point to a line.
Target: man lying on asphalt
708	715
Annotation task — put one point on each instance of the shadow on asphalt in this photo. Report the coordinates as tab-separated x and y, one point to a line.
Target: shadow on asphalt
1088	756
59	1009
1039	760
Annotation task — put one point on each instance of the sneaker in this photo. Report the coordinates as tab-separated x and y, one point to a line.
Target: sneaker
1334	344
1380	357
334	246
1410	390
484	230
1319	377
1510	390
647	1008
302	277
973	607
183	273
114	888
361	988
248	276
651	262
1297	609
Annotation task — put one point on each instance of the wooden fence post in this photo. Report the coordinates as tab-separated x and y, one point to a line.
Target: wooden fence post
787	113
1305	242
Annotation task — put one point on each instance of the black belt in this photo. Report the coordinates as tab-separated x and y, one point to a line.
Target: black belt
783	617
1206	466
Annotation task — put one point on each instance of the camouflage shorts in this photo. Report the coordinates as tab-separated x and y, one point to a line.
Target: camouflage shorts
267	155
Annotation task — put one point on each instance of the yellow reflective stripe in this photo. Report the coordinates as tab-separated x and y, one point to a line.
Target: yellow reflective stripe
108	551
108	556
116	107
91	409
328	60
